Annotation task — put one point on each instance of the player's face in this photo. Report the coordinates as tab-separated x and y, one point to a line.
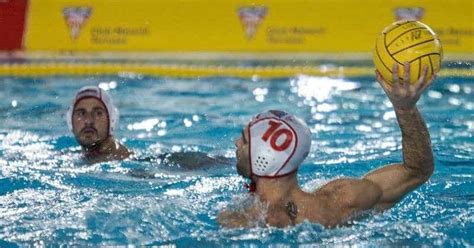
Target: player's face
242	153
90	121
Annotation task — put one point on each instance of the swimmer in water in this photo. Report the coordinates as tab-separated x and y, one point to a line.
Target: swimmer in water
274	144
92	118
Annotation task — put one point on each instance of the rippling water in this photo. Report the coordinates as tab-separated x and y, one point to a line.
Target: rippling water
49	196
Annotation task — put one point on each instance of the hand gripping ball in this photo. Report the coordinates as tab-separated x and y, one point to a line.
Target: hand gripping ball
407	41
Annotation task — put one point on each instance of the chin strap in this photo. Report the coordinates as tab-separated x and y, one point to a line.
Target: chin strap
95	149
92	153
252	187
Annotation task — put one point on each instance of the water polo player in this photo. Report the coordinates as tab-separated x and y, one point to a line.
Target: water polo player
92	118
274	144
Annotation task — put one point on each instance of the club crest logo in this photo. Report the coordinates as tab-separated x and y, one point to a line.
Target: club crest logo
411	14
75	19
251	17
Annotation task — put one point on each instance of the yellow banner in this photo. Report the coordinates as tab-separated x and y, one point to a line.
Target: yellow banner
237	25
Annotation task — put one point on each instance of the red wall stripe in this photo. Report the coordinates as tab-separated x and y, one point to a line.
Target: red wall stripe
12	24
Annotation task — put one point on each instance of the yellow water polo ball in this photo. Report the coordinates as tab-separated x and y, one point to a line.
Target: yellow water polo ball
407	41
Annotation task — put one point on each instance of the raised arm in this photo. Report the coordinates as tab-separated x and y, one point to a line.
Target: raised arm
396	180
382	188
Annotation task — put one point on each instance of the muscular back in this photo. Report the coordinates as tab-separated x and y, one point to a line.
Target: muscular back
337	201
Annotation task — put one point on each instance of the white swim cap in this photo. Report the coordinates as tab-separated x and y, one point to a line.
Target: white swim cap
101	95
279	142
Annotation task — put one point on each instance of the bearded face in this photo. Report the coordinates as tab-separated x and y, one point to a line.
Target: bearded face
90	122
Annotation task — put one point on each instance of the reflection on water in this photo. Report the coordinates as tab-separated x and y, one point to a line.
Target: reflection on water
48	195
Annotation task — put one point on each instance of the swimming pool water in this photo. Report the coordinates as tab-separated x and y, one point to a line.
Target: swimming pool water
49	196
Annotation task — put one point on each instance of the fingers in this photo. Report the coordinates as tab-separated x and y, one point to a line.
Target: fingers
396	79
430	81
406	76
378	76
422	78
381	81
420	84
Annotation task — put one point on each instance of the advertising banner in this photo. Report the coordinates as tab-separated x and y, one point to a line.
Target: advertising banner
237	25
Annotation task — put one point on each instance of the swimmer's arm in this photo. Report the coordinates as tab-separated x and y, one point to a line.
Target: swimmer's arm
193	160
396	180
344	199
418	164
382	188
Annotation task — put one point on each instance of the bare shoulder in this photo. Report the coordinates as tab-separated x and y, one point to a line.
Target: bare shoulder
121	152
340	199
349	191
249	213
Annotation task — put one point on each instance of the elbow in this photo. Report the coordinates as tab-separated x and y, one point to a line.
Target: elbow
424	176
428	172
428	169
424	172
